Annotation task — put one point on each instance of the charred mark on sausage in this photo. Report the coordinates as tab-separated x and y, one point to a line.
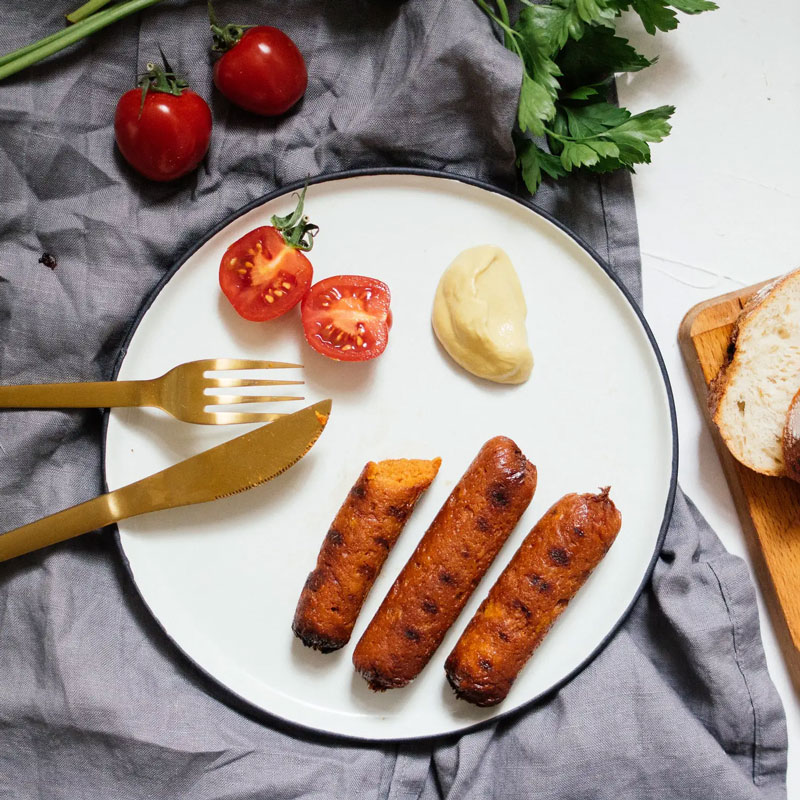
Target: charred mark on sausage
314	581
429	606
412	634
522	607
498	495
334	537
399	512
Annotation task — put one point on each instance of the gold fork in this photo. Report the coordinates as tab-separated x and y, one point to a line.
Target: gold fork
180	392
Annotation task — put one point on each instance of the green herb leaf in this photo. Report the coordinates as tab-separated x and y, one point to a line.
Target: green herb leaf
597	56
694	6
599	12
536	105
593	119
533	161
659	14
604	137
581	93
570	54
540	80
655	14
576	154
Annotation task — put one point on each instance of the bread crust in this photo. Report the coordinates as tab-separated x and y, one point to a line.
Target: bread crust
717	387
553	562
452	557
731	367
791	439
355	549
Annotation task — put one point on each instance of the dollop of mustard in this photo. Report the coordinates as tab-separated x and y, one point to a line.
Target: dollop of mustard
479	316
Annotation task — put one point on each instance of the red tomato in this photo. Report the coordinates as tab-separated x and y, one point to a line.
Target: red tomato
347	317
262	72
263	276
168	135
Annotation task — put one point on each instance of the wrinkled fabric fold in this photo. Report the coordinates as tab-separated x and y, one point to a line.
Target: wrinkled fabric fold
94	701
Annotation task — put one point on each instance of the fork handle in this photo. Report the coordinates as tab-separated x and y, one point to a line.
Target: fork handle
101	394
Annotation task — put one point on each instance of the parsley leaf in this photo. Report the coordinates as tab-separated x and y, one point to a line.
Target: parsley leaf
602	131
540	86
570	54
659	14
694	6
533	161
596	57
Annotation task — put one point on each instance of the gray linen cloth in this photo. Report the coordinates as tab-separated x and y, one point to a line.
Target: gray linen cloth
94	702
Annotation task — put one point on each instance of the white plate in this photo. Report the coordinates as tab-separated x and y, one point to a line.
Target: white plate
223	578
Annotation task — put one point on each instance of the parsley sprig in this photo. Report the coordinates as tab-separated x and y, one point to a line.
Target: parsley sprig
570	54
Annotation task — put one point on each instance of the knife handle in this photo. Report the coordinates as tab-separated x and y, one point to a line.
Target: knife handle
149	494
58	527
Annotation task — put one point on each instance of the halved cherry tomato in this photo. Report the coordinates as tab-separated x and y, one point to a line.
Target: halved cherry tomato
347	317
264	273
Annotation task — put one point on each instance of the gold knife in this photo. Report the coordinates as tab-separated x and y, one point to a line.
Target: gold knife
239	464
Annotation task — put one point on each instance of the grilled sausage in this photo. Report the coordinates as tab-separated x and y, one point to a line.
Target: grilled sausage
553	562
447	565
355	548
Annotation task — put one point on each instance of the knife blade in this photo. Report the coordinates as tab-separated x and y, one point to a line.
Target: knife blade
229	468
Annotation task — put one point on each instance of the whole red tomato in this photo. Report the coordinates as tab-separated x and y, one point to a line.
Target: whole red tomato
261	69
163	129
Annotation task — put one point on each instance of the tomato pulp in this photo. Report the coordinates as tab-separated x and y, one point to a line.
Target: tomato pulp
263	276
347	317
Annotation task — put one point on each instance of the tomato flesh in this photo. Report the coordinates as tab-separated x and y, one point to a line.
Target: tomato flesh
347	317
262	276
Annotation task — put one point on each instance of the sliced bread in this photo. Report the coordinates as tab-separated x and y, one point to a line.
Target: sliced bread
791	439
750	397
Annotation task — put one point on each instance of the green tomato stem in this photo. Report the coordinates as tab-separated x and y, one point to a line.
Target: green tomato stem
53	44
86	10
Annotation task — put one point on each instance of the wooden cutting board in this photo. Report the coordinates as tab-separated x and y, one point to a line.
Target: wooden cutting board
769	508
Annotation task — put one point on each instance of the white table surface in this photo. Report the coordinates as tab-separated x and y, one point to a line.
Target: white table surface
719	208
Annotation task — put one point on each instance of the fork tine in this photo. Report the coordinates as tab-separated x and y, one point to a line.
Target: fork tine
234	399
219	364
238	417
227	383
